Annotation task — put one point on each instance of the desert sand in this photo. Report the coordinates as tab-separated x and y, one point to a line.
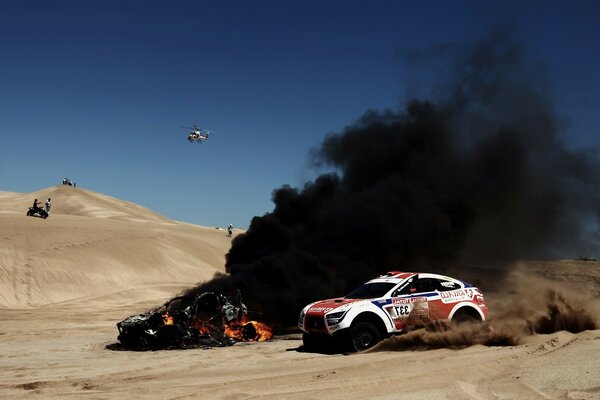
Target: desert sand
67	280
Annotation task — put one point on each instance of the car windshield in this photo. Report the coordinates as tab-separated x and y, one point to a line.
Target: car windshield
371	290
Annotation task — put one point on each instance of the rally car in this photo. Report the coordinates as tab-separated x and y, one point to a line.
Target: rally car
391	303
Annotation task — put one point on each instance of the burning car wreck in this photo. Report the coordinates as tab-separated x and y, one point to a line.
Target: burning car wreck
206	320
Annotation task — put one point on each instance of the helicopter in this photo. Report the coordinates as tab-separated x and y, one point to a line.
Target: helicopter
198	135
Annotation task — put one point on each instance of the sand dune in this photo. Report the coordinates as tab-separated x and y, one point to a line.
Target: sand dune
68	200
94	245
68	279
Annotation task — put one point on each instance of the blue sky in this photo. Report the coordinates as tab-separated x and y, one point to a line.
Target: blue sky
98	91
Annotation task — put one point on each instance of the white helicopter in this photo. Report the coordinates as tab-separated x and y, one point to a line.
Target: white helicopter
198	135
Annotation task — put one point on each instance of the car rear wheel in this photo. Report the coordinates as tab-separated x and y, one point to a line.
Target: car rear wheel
363	336
464	316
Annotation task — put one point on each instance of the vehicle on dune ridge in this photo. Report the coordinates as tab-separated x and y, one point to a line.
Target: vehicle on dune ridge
37	212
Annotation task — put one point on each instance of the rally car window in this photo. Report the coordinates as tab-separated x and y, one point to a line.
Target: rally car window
371	290
425	285
422	285
405	288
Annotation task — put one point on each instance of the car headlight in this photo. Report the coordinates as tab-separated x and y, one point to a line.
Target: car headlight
301	318
336	317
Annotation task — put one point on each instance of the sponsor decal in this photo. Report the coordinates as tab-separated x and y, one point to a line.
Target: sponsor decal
408	300
448	284
453	296
320	309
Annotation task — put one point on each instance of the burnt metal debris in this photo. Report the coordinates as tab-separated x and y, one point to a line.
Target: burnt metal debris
184	322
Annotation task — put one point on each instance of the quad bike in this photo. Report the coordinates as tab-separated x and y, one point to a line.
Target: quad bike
37	212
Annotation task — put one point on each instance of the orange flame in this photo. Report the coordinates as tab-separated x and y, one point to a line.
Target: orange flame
167	319
203	327
249	331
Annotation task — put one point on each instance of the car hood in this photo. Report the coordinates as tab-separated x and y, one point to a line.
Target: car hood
324	306
136	319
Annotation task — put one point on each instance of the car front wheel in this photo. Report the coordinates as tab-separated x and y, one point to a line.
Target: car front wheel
363	336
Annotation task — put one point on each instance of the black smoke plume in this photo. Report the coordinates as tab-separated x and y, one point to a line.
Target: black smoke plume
478	174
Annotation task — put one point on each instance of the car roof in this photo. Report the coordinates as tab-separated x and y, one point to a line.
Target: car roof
393	276
399	276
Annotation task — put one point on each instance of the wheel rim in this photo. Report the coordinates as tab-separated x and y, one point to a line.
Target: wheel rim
364	338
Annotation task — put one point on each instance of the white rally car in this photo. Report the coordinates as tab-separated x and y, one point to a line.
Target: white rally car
388	304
